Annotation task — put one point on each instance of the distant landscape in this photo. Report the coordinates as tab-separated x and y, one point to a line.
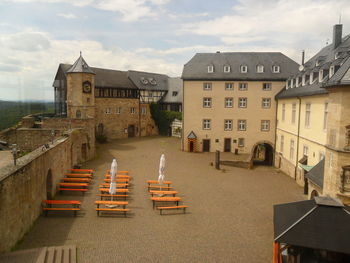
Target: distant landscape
11	112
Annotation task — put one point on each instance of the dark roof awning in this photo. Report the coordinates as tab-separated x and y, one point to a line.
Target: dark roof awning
303	160
192	135
316	174
322	223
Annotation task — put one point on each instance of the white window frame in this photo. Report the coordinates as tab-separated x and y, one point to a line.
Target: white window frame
132	110
227	69
267	86
265	125
305	150
307	115
260	68
229	102
242	125
118	110
206	124
229	86
244	69
108	111
276	69
207	86
207	102
210	69
242	102
241	142
294	112
243	86
228	125
266	103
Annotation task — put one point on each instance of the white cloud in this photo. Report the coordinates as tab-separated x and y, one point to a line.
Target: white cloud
67	16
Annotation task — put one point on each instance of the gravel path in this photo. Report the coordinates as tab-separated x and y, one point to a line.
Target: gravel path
229	218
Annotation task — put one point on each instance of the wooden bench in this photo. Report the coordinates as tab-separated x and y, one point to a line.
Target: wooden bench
149	182
118	176
74	203
154	192
124	210
122	172
78	175
118	190
165	199
46	209
76	180
83	170
108	195
118	180
73	189
161	208
159	187
116	185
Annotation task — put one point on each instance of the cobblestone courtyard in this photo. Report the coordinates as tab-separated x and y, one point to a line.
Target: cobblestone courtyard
229	218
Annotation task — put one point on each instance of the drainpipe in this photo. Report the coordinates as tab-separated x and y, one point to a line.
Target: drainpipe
183	115
276	113
296	159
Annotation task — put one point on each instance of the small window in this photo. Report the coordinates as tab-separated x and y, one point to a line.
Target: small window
240	142
267	86
227	69
265	125
242	125
206	124
307	115
305	150
228	125
132	110
320	156
244	69
228	86
207	86
331	71
266	103
242	102
118	110
243	86
210	69
228	102
291	150
260	68
283	112
143	110
294	111
108	111
276	69
206	102
175	93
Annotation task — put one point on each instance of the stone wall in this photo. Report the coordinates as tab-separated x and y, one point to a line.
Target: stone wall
148	126
35	178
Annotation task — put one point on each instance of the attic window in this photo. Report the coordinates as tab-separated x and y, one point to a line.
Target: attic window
276	69
331	71
337	55
174	93
260	68
227	69
210	69
244	69
320	75
144	80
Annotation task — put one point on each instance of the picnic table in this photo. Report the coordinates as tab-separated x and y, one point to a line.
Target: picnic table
74	203
155	192
118	190
74	184
149	182
111	209
77	180
83	170
165	199
117	185
122	172
118	180
118	176
121	203
69	175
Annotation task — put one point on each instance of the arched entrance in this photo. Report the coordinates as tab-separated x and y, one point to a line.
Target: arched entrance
262	154
49	183
191	142
314	193
131	131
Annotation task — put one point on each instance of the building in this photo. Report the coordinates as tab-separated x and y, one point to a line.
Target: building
313	122
118	101
172	101
229	101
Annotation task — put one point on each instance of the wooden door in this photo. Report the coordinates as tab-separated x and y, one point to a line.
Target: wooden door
227	145
131	131
206	145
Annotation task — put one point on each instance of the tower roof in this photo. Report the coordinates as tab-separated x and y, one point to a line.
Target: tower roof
80	66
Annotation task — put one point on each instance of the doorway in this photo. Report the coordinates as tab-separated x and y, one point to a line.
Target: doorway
263	154
131	131
227	145
191	146
206	145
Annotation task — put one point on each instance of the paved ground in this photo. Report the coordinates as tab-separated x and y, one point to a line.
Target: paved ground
229	219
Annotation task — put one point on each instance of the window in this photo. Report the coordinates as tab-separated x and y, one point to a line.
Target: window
227	69
132	110
266	103
118	110
291	150
207	86
243	86
325	116
242	102
283	112
150	94
294	110
276	69
206	102
228	102
228	125
244	69
242	125
307	114
228	86
174	93
265	125
240	142
305	150
282	144
210	69
143	110
260	68
108	111
206	124
267	86
320	156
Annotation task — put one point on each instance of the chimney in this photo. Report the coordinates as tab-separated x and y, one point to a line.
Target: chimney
337	35
303	57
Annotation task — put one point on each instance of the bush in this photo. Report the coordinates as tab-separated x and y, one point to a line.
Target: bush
101	138
163	119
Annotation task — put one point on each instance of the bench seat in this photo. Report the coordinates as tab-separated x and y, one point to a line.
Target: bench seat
73	189
161	208
46	209
159	187
108	195
124	210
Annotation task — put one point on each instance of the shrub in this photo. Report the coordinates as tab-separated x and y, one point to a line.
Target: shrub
163	119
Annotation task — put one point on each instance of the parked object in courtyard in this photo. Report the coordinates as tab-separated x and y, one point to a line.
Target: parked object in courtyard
113	185
161	170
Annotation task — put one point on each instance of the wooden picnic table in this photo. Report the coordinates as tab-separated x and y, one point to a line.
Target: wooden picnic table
79	175
118	190
77	180
118	176
122	203
118	180
117	185
75	205
149	182
83	170
74	184
155	192
122	172
165	199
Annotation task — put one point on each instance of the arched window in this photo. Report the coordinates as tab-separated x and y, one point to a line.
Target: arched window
243	68
260	68
78	114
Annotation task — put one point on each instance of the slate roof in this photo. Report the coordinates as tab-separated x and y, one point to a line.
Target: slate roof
316	174
322	223
80	66
148	81
326	58
197	67
175	85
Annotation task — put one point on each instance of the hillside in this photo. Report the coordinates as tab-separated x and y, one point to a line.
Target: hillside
11	112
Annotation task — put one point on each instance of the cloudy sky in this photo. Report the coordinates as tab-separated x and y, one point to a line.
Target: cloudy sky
150	35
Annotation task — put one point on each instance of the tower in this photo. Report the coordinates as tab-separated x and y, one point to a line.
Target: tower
80	90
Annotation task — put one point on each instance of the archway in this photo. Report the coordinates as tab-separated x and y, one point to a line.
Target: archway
262	154
100	129
49	183
314	194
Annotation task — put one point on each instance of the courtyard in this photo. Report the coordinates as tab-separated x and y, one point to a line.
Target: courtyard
229	218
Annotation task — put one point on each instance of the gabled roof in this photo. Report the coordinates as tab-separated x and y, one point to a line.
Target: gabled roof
148	81
316	174
80	66
174	85
322	223
192	135
197	67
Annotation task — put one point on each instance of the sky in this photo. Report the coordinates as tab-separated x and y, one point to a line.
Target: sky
150	35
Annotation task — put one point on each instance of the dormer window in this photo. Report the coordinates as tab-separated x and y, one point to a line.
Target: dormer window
227	69
287	83
337	55
297	82
320	75
244	69
303	80
260	68
291	83
174	93
210	69
331	71
276	69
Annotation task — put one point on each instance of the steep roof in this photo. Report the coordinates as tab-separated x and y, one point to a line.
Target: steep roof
174	87
148	81
80	66
316	174
197	67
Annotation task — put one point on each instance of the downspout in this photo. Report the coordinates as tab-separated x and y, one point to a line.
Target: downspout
183	115
296	159
276	120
